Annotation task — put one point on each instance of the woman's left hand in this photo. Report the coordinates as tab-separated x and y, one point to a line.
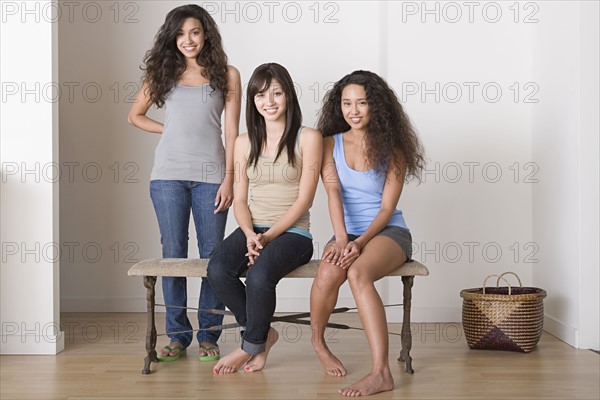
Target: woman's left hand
351	253
255	246
224	197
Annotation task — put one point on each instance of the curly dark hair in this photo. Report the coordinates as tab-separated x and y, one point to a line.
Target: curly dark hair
259	82
164	63
391	140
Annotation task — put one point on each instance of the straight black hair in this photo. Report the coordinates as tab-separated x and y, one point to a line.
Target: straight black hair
260	81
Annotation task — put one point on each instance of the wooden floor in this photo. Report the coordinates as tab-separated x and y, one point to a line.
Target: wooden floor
104	356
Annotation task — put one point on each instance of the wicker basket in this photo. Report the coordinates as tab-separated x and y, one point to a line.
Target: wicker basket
503	318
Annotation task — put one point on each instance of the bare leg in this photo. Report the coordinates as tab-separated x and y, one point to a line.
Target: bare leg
323	297
259	361
379	257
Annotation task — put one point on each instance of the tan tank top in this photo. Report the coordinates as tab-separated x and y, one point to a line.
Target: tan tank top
274	187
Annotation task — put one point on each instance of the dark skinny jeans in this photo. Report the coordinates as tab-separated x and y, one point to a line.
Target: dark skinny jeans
253	303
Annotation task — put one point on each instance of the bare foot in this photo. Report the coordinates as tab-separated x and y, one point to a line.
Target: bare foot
370	384
258	361
232	362
331	364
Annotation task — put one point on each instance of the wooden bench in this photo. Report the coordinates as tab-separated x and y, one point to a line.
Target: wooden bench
178	267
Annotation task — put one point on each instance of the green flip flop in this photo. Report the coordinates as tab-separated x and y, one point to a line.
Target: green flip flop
207	357
181	353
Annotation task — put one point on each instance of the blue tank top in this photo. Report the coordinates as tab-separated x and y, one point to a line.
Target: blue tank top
361	193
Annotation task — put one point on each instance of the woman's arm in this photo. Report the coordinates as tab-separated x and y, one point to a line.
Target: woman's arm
331	181
240	185
311	145
232	122
240	198
391	195
137	114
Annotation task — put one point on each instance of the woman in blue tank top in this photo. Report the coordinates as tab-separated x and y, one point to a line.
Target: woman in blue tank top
186	71
370	149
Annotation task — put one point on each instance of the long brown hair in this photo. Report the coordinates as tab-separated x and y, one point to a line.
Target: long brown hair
164	63
391	140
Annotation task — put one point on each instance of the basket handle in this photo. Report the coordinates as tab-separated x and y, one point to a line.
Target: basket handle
502	275
499	277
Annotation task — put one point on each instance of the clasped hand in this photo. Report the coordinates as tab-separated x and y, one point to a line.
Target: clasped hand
342	253
255	244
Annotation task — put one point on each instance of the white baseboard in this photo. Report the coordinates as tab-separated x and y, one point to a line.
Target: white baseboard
32	344
565	332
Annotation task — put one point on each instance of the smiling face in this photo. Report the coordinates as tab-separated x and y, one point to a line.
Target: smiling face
190	38
355	107
271	103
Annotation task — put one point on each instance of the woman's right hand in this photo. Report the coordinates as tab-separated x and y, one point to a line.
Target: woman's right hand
254	245
351	253
334	250
137	114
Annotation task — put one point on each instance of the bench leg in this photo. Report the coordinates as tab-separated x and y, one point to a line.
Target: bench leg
406	333
149	283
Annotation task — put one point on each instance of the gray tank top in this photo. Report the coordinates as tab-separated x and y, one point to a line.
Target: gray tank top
191	148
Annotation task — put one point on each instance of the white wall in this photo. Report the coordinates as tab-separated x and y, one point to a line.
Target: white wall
565	146
471	216
113	214
486	136
29	277
491	170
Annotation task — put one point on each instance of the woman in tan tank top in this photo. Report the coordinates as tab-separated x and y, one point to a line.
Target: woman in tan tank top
277	166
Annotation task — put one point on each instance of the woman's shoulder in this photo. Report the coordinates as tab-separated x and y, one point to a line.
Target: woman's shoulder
332	138
329	143
328	140
242	138
310	137
232	72
310	133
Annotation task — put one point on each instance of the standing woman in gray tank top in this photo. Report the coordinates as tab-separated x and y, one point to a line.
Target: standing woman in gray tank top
186	71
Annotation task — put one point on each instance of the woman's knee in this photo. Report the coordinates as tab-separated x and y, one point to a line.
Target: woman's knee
174	246
329	277
358	277
257	278
217	271
212	272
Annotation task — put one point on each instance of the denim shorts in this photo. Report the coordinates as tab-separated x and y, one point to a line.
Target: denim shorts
399	235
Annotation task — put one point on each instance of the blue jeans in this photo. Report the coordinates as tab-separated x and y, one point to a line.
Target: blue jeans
253	304
173	200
